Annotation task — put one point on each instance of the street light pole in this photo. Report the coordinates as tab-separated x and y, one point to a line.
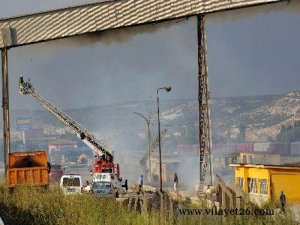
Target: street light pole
148	120
166	88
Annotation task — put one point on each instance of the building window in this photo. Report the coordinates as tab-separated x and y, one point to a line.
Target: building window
249	184
240	182
263	186
252	185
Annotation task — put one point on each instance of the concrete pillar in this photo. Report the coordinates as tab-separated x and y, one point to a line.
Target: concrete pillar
7	41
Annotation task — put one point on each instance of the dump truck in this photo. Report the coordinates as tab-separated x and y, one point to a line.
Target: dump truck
28	168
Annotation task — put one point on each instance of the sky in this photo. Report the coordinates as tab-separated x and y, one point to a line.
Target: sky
250	52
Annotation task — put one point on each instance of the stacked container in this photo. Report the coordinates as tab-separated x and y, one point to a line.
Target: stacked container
280	148
223	148
262	147
295	148
244	147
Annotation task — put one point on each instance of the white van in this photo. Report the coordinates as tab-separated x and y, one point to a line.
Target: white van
71	184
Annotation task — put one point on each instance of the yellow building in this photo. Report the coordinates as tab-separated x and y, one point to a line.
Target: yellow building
265	182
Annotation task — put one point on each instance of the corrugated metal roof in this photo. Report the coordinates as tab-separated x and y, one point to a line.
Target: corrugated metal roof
72	150
63	142
109	15
289	167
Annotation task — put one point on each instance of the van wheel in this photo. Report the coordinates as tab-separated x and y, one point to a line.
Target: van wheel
117	194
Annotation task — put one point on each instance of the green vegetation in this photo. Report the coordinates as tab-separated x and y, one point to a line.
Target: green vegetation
27	205
242	133
38	206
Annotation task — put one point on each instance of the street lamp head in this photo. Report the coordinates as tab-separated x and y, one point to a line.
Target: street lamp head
167	88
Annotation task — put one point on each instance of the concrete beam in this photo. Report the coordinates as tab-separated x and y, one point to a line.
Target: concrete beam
84	19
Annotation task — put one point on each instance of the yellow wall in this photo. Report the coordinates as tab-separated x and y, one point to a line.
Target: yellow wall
278	179
289	184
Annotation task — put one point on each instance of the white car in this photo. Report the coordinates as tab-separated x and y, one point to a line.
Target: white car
110	178
104	189
71	184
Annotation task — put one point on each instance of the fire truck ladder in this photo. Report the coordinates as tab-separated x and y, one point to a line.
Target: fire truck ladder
26	88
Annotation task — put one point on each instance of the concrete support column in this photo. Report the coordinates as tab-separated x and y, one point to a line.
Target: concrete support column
5	107
6	38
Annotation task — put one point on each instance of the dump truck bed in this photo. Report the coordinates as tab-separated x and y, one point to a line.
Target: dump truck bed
27	168
32	176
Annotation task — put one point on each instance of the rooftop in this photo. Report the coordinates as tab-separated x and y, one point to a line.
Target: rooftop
285	166
63	142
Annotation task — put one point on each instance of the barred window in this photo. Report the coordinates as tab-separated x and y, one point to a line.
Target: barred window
263	186
240	182
252	185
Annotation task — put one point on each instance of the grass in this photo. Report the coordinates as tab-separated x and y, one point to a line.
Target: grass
27	205
38	206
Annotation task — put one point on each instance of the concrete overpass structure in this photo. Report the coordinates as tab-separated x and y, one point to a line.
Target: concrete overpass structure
106	15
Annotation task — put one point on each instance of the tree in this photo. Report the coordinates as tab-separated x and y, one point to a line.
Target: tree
242	133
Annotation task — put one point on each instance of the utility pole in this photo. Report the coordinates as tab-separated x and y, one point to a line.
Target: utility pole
167	89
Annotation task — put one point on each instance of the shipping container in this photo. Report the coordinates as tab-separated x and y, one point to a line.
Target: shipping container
195	148
187	149
295	148
261	147
280	148
27	168
244	147
223	148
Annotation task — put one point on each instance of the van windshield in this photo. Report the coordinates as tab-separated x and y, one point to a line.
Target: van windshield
71	182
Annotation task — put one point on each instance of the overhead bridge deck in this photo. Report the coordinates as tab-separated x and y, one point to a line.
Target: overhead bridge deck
105	15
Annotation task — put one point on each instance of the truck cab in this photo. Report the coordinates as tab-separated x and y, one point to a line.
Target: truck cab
71	184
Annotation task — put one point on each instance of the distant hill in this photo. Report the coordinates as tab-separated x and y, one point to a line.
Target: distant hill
259	114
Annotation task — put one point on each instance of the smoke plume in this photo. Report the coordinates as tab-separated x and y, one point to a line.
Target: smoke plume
108	37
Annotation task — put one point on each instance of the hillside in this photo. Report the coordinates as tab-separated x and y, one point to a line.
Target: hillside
257	114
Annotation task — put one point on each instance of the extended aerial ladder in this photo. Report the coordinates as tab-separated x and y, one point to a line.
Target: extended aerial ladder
104	160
